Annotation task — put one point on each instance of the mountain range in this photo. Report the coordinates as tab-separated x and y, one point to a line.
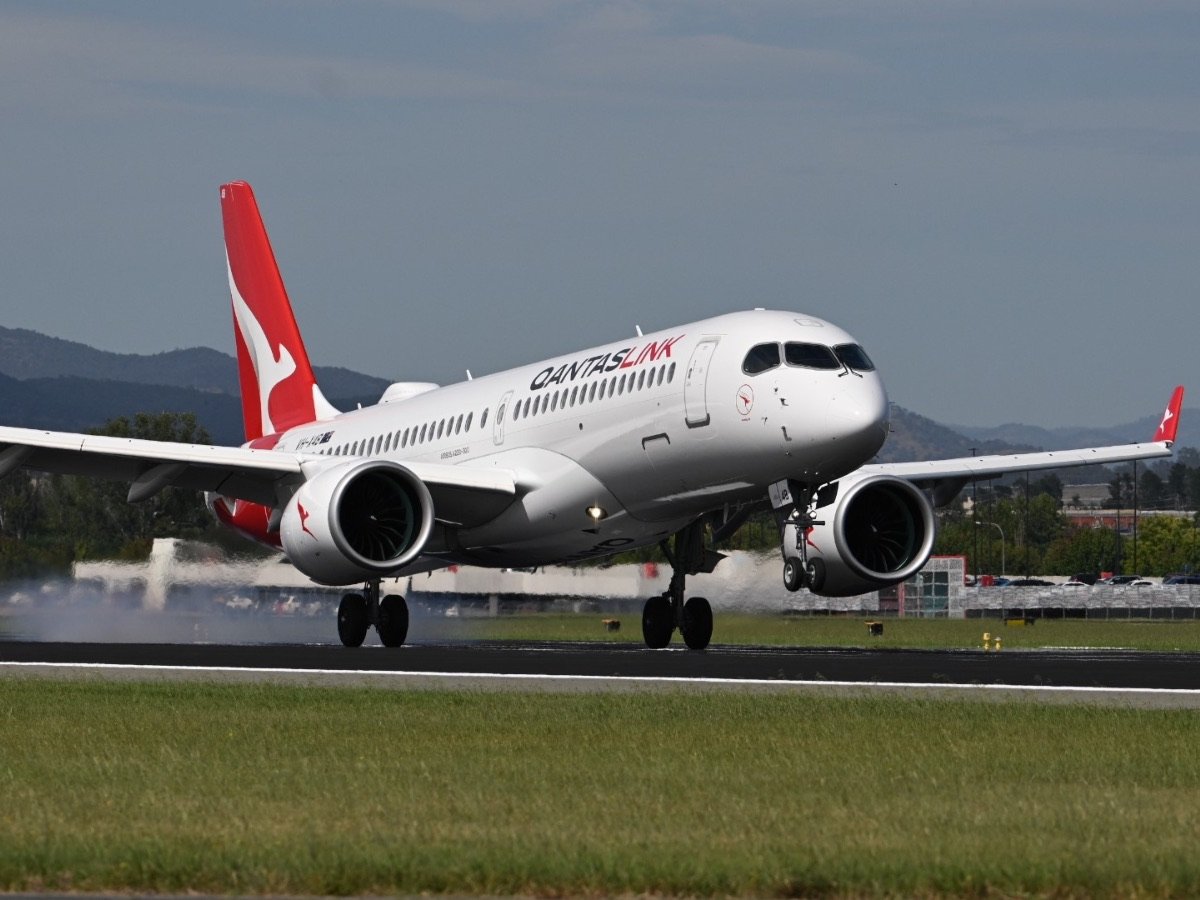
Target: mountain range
59	385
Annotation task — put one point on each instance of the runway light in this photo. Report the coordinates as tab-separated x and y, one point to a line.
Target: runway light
596	513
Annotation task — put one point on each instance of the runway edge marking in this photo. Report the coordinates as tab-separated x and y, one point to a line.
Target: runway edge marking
631	679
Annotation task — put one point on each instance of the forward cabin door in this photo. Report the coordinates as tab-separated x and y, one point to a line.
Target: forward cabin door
695	384
498	422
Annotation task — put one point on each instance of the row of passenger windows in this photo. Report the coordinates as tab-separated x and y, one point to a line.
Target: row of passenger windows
409	437
764	357
615	386
531	406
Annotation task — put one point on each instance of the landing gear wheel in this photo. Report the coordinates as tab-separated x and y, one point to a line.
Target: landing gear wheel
352	620
815	575
657	622
697	623
393	620
793	574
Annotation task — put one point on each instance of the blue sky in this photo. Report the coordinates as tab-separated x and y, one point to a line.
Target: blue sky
1000	200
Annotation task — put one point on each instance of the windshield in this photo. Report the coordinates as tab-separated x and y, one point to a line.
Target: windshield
854	357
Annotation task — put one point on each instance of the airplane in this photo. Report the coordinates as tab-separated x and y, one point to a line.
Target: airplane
671	438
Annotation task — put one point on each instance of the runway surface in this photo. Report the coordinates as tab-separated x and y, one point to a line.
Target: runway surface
1069	669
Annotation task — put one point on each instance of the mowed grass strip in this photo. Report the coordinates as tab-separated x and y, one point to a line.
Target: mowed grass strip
305	790
840	631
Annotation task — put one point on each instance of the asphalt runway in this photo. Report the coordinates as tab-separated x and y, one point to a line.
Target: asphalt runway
1105	670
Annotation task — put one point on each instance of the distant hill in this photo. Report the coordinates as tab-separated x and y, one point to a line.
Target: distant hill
28	355
915	437
1065	437
46	382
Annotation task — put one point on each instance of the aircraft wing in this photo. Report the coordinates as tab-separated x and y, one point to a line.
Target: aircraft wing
461	494
946	477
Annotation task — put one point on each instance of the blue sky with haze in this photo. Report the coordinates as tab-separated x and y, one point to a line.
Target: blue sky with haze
1000	200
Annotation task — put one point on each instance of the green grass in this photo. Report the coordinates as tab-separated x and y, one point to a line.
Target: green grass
829	631
269	789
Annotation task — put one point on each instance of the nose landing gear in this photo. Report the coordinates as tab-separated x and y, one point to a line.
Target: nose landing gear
792	503
663	614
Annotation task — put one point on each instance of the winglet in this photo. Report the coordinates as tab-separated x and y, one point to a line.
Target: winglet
279	390
1169	425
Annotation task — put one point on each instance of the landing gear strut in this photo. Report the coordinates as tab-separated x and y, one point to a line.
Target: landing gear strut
358	612
792	501
663	614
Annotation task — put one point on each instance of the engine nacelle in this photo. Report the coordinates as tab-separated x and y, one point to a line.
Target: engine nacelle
878	530
356	522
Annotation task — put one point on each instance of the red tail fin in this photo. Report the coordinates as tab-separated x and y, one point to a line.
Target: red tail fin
1169	426
279	390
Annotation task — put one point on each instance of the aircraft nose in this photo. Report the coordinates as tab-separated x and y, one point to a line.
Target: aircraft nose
860	415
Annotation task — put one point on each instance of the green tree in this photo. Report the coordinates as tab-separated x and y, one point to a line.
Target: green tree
1083	550
1151	490
1166	544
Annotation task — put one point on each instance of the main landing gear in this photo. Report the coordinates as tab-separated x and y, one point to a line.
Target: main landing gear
358	612
663	614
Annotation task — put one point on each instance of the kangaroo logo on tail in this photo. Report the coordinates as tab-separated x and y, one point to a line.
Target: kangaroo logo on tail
279	389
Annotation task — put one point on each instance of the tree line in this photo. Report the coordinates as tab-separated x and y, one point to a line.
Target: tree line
47	522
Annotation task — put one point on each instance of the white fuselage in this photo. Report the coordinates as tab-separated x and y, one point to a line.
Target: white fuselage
653	431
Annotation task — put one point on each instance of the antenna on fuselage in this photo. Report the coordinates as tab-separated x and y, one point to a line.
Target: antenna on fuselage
469	378
638	328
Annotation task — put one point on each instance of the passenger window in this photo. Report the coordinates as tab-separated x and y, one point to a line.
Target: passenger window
641	379
469	415
442	423
854	357
404	438
458	424
574	394
671	373
421	439
810	356
761	358
483	419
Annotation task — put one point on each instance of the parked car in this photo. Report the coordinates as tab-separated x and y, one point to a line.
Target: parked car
1182	579
1117	580
1029	582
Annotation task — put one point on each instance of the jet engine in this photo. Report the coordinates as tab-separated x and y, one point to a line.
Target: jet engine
876	531
356	522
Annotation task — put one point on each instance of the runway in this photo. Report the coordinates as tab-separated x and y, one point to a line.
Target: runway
1066	671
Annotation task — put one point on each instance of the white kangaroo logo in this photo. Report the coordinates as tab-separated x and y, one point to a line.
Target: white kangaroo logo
269	369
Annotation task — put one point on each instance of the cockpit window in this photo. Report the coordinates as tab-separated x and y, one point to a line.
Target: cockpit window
761	358
854	357
810	356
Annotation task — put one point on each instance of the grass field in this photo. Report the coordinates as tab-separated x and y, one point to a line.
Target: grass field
257	789
826	631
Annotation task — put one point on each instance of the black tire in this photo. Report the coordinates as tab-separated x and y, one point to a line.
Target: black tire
793	574
393	620
816	575
697	623
657	622
352	620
